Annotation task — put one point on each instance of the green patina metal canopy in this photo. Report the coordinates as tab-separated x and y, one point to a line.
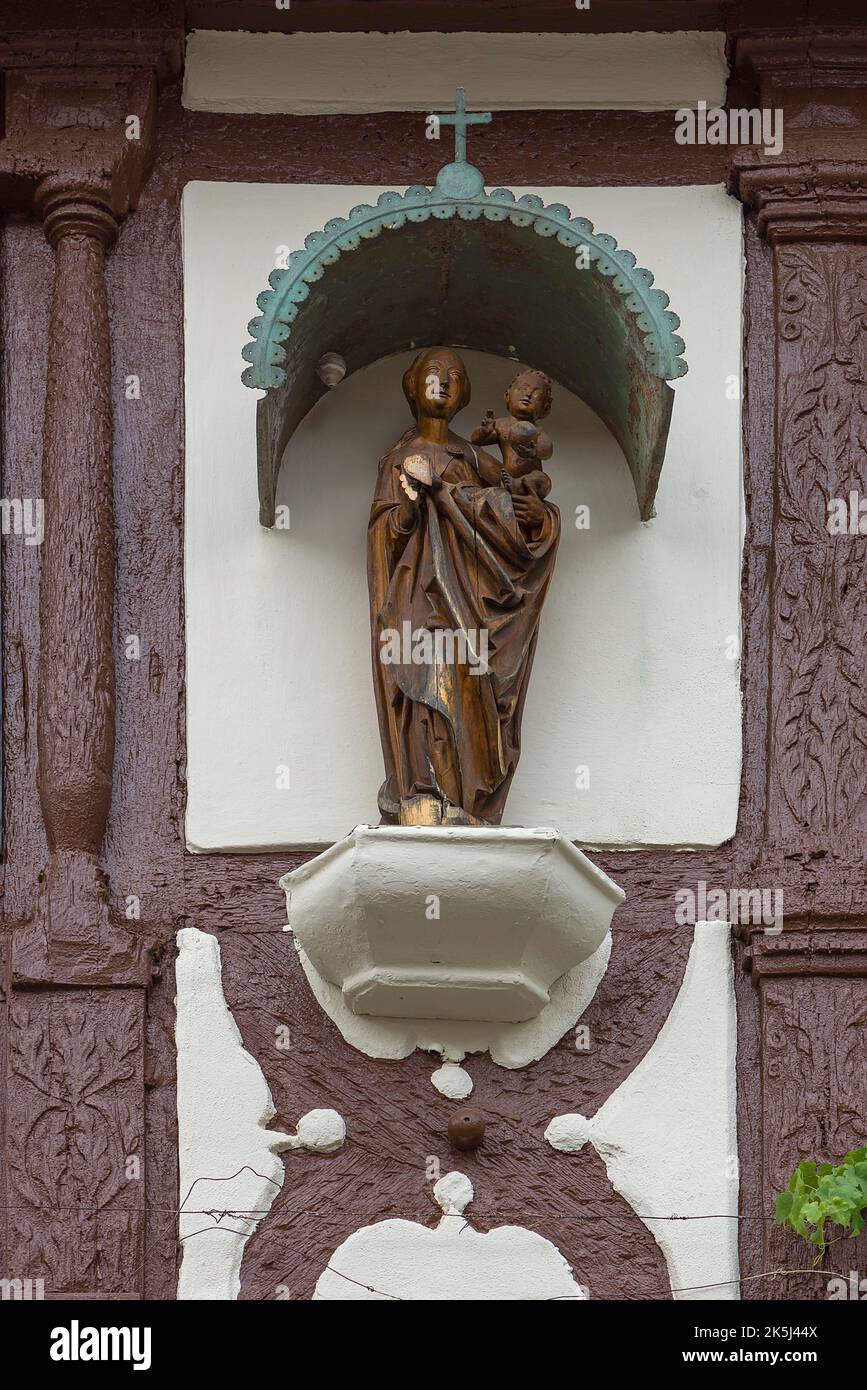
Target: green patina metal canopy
454	264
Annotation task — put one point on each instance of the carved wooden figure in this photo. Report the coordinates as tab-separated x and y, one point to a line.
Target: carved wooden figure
523	446
458	569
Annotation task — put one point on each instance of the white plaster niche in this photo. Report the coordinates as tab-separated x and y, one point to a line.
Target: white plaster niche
449	926
657	693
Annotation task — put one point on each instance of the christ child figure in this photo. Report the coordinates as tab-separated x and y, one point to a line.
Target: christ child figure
524	447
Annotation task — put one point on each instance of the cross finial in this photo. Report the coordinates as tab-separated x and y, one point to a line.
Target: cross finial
460	120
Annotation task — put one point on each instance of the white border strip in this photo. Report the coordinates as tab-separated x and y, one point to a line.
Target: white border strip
326	74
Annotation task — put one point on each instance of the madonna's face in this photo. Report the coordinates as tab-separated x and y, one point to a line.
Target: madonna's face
440	384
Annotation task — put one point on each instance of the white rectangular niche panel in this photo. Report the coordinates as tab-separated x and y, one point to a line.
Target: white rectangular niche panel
320	74
634	676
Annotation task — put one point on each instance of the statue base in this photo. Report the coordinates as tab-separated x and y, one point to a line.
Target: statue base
449	922
429	810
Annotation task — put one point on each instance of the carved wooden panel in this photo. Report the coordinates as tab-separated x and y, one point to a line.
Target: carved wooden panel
75	1140
818	792
814	1075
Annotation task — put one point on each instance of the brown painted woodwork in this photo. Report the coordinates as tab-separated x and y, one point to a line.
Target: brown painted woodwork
99	985
75	736
384	16
466	1130
805	600
522	16
397	1121
76	984
74	1212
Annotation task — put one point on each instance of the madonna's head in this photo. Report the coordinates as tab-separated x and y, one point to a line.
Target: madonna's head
437	385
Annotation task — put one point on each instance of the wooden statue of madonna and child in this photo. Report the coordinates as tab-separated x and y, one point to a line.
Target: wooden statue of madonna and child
460	551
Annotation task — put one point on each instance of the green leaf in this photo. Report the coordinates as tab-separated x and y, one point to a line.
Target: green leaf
819	1194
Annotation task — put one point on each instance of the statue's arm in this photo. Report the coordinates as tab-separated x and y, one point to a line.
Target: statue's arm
487	431
396	504
488	468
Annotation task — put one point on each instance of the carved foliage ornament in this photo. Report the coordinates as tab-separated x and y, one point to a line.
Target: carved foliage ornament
76	1061
821	578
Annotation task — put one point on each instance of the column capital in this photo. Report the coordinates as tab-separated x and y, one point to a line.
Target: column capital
833	947
815	188
80	129
70	208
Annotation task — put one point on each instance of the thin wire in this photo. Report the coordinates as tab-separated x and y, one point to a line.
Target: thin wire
241	1212
564	1298
246	1168
244	1213
369	1287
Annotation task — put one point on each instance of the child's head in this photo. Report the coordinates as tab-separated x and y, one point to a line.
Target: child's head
528	397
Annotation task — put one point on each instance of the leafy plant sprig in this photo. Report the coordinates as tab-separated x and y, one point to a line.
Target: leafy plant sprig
819	1194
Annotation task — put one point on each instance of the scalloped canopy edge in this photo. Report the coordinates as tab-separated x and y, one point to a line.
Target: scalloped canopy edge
511	276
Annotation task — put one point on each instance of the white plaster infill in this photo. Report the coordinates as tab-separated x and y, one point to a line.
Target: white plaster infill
449	923
320	1132
452	1081
668	1134
317	74
229	1170
404	1261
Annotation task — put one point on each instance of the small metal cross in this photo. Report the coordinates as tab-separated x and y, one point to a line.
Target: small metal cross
460	120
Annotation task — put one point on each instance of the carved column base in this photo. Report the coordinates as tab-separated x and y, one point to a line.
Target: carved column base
74	939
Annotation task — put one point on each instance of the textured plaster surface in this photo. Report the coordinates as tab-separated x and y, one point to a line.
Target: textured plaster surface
229	1171
452	1081
668	1134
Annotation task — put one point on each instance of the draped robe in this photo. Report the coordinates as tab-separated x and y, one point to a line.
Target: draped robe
464	565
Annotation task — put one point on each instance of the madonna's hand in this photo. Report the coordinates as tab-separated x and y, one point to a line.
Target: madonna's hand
529	511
